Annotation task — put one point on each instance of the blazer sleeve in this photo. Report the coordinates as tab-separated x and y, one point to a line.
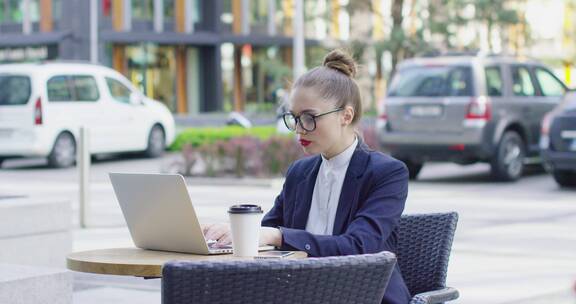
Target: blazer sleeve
275	217
371	226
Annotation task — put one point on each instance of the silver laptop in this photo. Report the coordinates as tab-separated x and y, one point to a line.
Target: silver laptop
160	215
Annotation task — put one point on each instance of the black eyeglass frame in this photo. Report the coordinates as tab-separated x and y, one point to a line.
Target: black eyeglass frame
298	121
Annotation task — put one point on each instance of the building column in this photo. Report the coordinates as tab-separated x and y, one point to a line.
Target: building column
180	15
211	80
158	16
119	58
245	19
238	28
26	21
118	15
237	16
46	16
239	98
272	17
181	92
288	9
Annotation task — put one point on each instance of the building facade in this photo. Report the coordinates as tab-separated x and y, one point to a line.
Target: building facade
196	56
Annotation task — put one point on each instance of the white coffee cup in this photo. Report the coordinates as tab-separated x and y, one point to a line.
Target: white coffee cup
245	227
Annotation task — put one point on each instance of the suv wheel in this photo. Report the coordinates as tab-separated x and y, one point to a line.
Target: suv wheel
156	142
1	161
565	178
508	162
413	168
64	152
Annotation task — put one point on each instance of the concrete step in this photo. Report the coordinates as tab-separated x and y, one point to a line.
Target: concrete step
35	231
34	285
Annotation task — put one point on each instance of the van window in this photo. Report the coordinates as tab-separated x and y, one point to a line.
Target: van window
118	90
14	90
494	85
85	88
432	81
58	89
521	83
549	85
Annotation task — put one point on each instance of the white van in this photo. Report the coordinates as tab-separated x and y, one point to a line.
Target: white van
43	106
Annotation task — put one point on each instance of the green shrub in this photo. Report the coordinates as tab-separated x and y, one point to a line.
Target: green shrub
197	137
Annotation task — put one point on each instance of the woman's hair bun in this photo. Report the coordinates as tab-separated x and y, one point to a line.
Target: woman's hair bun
340	61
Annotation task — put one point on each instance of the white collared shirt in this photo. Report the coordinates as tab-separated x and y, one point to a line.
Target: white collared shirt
327	191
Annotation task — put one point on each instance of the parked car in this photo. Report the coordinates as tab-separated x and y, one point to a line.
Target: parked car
558	141
43	106
468	109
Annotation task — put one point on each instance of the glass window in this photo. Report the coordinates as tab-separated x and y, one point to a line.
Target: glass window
143	9
119	91
168	9
521	82
316	19
56	10
14	11
59	89
432	81
85	88
259	16
494	85
34	10
14	90
2	11
549	84
227	17
196	11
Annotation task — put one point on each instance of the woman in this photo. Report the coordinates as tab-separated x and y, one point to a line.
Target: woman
345	199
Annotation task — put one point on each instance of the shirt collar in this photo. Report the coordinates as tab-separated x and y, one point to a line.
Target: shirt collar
341	159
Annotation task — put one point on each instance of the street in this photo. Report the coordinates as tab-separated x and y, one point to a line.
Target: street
515	243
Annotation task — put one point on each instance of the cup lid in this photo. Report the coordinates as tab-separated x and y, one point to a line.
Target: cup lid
246	208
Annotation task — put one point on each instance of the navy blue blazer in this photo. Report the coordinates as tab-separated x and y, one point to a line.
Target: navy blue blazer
371	202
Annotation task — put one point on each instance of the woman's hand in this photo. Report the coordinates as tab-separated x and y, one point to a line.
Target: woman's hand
217	232
270	236
222	235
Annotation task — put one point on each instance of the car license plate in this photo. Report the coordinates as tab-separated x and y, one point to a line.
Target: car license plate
425	111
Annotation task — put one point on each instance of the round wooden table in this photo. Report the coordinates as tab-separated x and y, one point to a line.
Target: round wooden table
139	262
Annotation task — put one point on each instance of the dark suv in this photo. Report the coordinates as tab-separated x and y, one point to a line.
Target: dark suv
558	141
467	109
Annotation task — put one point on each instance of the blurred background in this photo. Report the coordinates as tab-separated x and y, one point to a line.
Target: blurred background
475	96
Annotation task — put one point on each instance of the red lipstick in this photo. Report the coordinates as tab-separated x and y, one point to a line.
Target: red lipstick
304	142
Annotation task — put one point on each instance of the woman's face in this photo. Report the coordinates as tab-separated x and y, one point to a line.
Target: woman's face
328	137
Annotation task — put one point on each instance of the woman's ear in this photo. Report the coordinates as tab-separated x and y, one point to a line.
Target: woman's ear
348	115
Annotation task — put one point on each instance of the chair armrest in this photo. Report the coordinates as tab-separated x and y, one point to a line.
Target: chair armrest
436	296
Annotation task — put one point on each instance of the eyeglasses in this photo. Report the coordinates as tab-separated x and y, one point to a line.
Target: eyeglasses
307	121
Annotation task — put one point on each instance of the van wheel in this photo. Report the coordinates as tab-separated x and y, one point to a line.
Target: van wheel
64	152
1	161
508	162
565	178
156	142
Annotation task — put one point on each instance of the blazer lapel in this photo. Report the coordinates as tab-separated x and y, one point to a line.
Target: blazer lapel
350	187
304	192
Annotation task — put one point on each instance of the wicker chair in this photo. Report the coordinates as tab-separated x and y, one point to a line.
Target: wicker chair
343	279
423	249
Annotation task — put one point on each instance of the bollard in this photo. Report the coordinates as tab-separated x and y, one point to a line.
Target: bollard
83	163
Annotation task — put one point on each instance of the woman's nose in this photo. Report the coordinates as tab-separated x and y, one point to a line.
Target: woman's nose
299	129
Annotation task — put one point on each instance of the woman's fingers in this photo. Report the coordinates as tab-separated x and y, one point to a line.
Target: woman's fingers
216	231
226	239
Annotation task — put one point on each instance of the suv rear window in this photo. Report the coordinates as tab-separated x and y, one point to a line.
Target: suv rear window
432	81
14	90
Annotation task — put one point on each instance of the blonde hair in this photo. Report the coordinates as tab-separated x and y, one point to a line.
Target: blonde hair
334	80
